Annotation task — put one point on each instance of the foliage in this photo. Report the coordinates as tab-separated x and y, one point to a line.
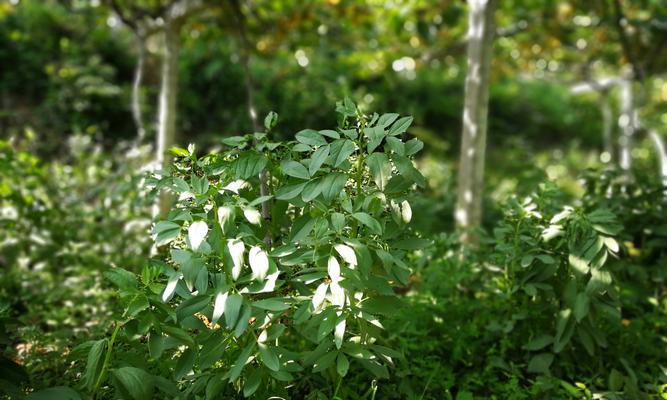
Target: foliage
59	230
306	301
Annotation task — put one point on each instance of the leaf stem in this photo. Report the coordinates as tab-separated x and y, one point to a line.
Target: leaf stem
107	358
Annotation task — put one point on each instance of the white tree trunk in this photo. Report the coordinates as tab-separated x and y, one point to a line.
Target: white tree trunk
136	87
468	213
659	144
167	107
627	121
607	126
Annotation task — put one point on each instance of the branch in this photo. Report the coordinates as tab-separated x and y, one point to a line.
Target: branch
625	43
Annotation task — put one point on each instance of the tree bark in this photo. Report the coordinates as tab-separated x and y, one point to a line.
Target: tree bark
659	145
607	125
136	86
167	106
627	121
244	46
468	212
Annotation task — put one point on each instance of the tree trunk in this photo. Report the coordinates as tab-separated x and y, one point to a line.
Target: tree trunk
659	144
244	47
468	213
607	126
167	108
627	121
136	87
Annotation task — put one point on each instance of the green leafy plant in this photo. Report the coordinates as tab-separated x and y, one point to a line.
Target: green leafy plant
259	289
553	262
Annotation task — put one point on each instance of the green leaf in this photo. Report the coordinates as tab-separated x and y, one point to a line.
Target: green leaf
252	383
616	380
368	221
310	137
340	150
579	264
330	133
527	260
270	120
178	334
395	144
564	330
387	119
375	368
122	278
342	364
581	306
385	305
375	136
325	361
269	357
94	363
327	324
138	303
380	167
179	152
407	170
55	393
199	185
232	307
301	228
400	126
185	363
539	343
240	362
242	324
547	259
274	304
332	184
235	141
413	146
249	164
586	339
540	363
312	189
295	169
191	306
289	192
317	159
165	232
338	221
134	383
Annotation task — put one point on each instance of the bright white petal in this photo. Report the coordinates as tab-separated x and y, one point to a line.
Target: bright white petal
347	254
319	295
337	294
236	249
171	287
406	211
253	216
333	268
224	214
339	333
236	185
196	234
219	307
259	263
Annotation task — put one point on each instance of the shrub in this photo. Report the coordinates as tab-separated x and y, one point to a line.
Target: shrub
252	289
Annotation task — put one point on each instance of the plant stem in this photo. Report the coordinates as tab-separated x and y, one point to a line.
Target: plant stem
107	358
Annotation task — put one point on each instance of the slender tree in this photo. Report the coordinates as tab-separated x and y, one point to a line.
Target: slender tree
244	50
468	212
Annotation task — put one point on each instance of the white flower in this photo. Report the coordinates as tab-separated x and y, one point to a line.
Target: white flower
259	263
